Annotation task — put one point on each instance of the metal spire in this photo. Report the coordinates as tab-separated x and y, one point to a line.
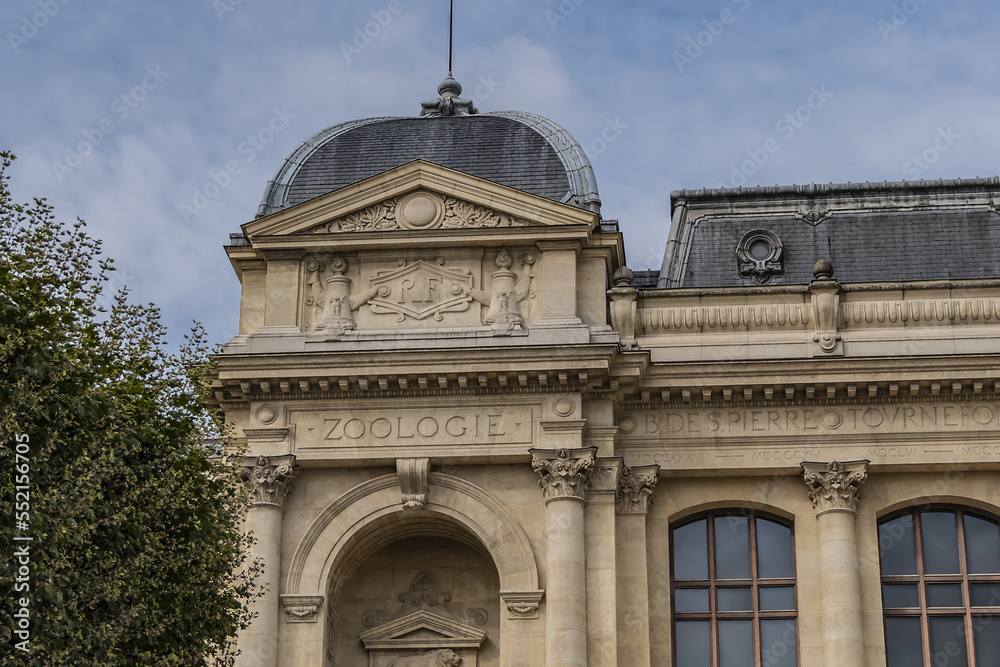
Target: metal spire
449	104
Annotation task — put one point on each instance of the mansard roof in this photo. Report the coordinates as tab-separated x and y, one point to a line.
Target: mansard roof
871	232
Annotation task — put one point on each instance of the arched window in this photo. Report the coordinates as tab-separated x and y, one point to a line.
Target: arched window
941	587
733	591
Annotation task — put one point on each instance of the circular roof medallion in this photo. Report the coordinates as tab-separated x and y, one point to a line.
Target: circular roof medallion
419	210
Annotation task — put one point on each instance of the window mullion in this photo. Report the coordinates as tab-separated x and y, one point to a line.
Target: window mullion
713	632
925	636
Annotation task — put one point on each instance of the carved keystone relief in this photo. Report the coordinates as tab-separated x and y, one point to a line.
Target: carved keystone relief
419	210
416	290
424	631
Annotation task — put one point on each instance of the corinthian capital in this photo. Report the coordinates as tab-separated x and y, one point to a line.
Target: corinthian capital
269	479
835	486
635	489
565	472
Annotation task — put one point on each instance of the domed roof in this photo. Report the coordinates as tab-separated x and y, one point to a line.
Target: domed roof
513	148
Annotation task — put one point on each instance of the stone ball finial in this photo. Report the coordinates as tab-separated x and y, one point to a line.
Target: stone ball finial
622	277
823	270
449	87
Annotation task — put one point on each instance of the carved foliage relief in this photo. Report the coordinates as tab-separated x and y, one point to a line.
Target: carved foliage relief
835	486
420	210
565	473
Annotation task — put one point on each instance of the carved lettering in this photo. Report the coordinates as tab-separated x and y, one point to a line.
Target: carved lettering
817	420
413	426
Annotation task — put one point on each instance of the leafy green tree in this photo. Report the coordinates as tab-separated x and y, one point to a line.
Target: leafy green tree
136	555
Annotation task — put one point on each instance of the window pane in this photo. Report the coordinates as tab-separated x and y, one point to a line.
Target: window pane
774	550
777	599
732	547
947	635
691	599
778	643
735	599
691	551
902	643
693	644
944	595
895	543
985	595
896	596
986	636
982	545
940	542
735	644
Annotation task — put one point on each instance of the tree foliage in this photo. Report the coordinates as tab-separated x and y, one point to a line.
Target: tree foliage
136	556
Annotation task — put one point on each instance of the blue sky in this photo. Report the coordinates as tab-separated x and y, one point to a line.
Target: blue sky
122	112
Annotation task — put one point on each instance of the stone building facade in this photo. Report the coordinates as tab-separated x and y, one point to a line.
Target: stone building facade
476	437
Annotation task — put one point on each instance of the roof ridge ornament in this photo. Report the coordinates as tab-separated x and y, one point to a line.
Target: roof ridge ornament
449	104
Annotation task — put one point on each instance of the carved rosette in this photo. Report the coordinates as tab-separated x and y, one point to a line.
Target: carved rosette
269	479
635	489
835	486
565	473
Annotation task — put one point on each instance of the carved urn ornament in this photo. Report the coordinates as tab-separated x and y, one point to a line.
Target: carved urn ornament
504	315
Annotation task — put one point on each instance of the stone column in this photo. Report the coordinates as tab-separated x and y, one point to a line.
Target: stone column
635	489
834	489
269	480
565	477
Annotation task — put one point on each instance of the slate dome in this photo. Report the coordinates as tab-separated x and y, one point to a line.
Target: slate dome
521	150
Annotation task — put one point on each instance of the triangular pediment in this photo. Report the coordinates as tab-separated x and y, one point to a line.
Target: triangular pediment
423	626
418	196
